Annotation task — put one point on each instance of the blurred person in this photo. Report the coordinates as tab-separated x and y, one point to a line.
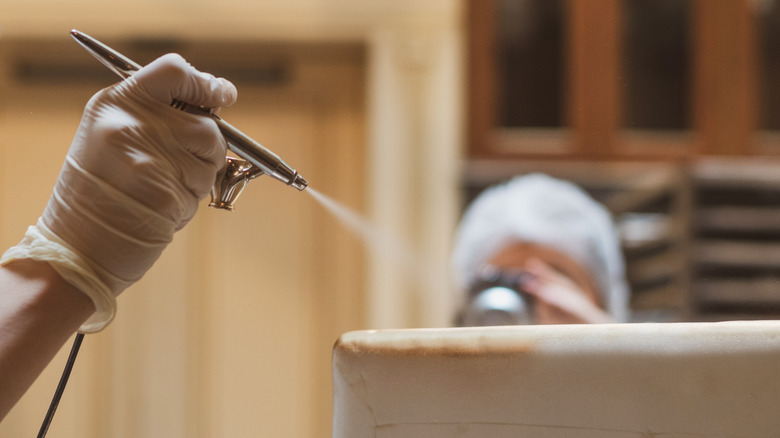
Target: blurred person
538	250
134	175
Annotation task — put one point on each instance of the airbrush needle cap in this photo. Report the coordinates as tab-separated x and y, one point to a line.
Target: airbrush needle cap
299	182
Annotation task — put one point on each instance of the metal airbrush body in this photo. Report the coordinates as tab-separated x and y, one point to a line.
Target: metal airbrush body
256	159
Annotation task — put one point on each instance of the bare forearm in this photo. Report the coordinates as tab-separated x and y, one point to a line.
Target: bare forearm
39	311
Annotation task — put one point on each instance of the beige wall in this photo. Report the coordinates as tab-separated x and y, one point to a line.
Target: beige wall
230	333
414	104
263	19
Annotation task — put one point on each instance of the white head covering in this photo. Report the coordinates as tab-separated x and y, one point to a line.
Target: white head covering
539	209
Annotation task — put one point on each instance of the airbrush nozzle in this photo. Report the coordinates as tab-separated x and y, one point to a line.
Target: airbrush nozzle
253	152
265	161
299	182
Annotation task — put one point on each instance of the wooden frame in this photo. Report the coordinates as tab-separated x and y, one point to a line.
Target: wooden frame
724	91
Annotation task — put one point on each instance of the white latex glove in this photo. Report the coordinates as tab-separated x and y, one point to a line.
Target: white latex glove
134	175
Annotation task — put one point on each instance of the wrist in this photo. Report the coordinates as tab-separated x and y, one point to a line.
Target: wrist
40	293
39	311
42	245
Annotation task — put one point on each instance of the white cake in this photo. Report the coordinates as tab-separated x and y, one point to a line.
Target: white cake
632	380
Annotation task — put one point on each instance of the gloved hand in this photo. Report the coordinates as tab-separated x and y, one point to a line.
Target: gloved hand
558	298
134	175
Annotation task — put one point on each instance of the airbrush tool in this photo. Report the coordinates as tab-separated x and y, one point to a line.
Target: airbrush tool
256	159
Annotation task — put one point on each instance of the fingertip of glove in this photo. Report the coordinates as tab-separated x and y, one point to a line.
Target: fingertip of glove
172	77
229	92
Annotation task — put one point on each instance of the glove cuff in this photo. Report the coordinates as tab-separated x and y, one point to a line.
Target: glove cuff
39	243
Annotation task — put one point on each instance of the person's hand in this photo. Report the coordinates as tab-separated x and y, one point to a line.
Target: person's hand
135	173
558	299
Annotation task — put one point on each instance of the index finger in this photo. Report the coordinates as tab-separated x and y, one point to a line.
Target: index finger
170	77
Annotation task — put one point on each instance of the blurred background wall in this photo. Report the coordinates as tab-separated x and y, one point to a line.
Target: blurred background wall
230	333
667	111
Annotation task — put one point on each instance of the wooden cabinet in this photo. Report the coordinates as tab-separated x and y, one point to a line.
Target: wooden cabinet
623	79
662	110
